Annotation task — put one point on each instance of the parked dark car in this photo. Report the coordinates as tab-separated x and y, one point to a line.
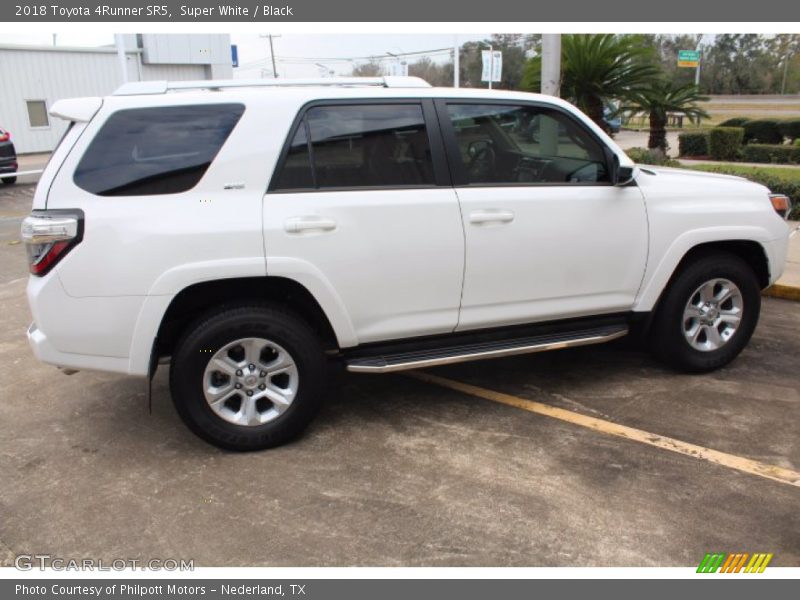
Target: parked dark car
612	118
8	157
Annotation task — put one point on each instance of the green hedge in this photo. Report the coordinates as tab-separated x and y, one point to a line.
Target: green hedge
734	122
791	129
762	131
724	143
777	185
647	156
771	153
693	144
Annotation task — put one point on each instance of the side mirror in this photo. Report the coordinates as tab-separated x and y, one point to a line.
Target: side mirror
620	176
624	175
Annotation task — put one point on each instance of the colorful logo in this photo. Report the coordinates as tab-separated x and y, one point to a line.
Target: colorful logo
734	563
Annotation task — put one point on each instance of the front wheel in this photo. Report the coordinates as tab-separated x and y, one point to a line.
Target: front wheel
708	313
248	378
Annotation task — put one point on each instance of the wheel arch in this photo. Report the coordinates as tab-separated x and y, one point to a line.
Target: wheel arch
749	250
198	298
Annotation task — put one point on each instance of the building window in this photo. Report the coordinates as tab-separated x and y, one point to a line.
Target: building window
37	113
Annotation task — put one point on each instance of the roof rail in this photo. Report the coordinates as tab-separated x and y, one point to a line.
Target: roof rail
162	87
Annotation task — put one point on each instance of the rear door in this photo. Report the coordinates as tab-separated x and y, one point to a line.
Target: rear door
547	235
361	205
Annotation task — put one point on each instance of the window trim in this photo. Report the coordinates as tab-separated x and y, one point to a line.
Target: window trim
459	175
441	171
46	115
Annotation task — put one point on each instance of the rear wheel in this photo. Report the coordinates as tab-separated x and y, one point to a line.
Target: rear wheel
248	378
9	180
708	313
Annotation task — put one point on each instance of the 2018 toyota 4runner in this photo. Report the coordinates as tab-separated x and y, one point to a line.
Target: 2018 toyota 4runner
252	232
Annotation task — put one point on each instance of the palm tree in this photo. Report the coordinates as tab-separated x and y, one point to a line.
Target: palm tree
664	97
596	68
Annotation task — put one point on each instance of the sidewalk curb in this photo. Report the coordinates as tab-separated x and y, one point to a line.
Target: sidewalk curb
786	292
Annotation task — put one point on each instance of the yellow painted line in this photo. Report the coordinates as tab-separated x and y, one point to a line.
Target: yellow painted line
739	463
786	292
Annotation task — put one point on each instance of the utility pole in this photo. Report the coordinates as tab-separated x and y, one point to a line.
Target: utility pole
491	65
491	62
123	63
456	61
787	58
700	59
551	63
272	53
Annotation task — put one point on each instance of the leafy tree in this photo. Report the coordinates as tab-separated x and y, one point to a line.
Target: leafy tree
660	99
437	74
787	49
371	68
739	64
597	68
666	49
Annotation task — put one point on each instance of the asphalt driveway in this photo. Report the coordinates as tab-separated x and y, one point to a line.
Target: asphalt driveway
402	471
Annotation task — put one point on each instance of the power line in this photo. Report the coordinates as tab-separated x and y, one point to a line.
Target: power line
379	57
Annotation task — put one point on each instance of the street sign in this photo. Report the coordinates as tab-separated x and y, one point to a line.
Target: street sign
492	65
398	68
688	58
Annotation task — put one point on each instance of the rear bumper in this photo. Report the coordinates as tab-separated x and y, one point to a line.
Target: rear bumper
92	333
8	158
44	350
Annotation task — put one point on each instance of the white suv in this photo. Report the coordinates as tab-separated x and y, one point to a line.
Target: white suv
251	232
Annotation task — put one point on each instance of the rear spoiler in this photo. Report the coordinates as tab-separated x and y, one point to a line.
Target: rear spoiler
80	110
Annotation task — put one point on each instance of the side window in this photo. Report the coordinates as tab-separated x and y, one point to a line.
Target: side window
525	145
369	145
163	150
296	171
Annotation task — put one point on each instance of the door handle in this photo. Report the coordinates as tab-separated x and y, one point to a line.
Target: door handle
309	223
481	217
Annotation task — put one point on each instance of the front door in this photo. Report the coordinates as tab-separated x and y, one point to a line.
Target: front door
547	235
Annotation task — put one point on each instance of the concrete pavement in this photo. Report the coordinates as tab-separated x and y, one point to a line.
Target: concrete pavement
397	471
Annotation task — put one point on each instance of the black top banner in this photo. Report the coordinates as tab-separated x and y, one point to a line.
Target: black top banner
208	11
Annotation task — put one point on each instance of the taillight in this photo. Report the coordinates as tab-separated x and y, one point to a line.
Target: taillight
782	204
4	136
49	235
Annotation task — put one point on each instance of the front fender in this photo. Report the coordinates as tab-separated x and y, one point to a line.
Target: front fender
660	270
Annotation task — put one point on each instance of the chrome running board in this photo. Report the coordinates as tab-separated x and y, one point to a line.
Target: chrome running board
388	363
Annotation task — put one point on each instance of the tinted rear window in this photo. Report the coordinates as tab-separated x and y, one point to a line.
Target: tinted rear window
164	150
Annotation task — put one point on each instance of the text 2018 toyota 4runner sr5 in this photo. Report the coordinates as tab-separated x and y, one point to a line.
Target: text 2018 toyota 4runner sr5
250	232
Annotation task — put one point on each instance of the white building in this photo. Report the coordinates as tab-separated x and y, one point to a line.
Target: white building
33	77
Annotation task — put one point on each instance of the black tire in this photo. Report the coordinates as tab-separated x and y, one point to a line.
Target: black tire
211	333
667	340
9	180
